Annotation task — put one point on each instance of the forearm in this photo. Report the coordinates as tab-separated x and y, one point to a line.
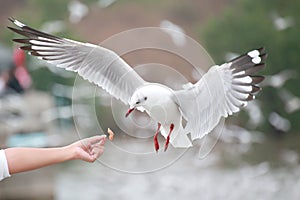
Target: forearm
24	159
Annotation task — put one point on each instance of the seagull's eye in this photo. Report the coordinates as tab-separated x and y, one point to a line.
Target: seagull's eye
145	98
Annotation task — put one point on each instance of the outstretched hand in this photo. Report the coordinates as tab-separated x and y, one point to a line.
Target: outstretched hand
88	149
24	159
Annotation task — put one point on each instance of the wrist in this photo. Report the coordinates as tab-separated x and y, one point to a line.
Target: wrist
70	152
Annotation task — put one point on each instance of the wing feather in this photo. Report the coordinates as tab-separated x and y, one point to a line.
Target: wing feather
222	91
96	64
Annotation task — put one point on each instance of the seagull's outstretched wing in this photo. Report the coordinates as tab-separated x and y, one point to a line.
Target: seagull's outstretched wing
222	91
98	65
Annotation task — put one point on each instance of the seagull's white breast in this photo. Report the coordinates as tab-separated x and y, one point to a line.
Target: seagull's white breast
160	105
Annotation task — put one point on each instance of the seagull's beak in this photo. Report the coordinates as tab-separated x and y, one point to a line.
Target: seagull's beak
129	111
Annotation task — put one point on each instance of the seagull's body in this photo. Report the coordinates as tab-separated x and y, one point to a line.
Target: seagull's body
163	109
222	91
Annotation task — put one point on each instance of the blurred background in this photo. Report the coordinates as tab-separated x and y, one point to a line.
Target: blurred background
256	157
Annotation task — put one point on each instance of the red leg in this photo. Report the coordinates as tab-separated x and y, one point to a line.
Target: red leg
156	145
168	138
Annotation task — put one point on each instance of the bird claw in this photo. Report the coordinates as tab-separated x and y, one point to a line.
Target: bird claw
168	138
167	143
156	145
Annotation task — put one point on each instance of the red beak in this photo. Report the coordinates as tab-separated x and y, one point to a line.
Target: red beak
129	111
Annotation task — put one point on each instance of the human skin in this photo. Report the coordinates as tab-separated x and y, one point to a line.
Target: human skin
25	159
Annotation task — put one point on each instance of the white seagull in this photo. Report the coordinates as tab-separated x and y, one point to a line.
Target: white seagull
222	91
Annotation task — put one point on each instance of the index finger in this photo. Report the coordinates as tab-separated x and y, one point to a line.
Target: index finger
96	139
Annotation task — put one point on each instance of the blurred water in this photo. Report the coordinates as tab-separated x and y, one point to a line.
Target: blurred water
223	174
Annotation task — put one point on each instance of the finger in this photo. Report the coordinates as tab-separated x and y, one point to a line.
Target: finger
97	152
96	147
86	142
102	141
96	139
85	156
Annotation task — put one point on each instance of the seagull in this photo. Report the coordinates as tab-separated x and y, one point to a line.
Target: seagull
221	92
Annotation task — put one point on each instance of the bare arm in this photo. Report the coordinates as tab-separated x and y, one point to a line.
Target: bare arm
25	159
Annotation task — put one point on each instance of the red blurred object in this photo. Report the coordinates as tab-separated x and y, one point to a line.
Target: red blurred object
19	57
21	72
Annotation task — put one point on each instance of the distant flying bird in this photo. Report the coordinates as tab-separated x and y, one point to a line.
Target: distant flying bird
222	91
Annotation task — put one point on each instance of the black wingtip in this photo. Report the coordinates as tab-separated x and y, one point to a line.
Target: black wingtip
255	89
11	28
261	49
264	56
251	97
11	19
23	41
17	22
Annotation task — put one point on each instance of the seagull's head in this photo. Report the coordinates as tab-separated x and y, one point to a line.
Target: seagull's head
137	101
145	97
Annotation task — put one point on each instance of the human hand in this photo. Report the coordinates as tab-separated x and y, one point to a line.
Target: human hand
88	149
